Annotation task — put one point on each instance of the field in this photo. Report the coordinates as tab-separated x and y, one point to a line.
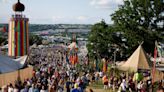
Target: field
98	87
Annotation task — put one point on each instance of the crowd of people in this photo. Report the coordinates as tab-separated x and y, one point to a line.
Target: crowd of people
132	83
53	74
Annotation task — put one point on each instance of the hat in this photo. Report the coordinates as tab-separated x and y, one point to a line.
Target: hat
76	85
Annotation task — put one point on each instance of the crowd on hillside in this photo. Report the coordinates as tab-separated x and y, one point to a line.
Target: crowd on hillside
53	74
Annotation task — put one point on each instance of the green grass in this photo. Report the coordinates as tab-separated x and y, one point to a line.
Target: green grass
98	87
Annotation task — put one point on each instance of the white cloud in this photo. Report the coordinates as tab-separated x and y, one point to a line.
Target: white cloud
106	3
82	18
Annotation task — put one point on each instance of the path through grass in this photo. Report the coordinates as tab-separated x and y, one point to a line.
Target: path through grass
98	87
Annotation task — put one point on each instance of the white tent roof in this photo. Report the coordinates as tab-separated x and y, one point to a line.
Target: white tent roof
5	46
138	60
21	60
8	65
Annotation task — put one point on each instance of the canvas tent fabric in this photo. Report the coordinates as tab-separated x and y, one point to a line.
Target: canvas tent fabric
138	60
21	60
8	65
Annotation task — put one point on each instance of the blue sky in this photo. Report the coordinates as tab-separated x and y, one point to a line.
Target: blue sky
62	11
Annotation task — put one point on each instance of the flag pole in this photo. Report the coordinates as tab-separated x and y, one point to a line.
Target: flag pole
154	64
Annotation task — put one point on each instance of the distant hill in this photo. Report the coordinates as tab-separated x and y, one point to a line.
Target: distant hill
40	27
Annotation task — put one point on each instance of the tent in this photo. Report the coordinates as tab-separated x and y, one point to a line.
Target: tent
8	64
21	60
138	60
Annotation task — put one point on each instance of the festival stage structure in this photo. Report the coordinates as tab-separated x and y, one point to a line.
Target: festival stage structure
18	41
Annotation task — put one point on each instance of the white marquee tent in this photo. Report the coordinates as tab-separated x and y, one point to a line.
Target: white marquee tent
9	65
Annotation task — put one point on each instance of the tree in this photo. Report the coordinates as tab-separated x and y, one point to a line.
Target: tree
103	40
97	40
3	40
35	39
135	21
140	20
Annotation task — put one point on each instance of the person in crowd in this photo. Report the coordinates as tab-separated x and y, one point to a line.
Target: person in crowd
36	89
16	88
10	88
115	82
75	89
139	86
68	85
123	86
143	86
93	78
131	85
4	88
105	82
31	89
61	85
43	89
101	74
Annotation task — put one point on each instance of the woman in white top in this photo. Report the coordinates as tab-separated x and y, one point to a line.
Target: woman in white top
10	88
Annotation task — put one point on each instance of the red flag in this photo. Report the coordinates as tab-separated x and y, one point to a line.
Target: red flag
4	29
76	58
73	60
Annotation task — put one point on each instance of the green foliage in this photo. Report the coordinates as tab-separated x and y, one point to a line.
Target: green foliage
35	39
2	40
135	21
140	21
97	39
103	41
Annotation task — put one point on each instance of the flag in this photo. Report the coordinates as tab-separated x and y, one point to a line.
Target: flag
76	58
154	63
104	66
4	29
73	59
160	51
